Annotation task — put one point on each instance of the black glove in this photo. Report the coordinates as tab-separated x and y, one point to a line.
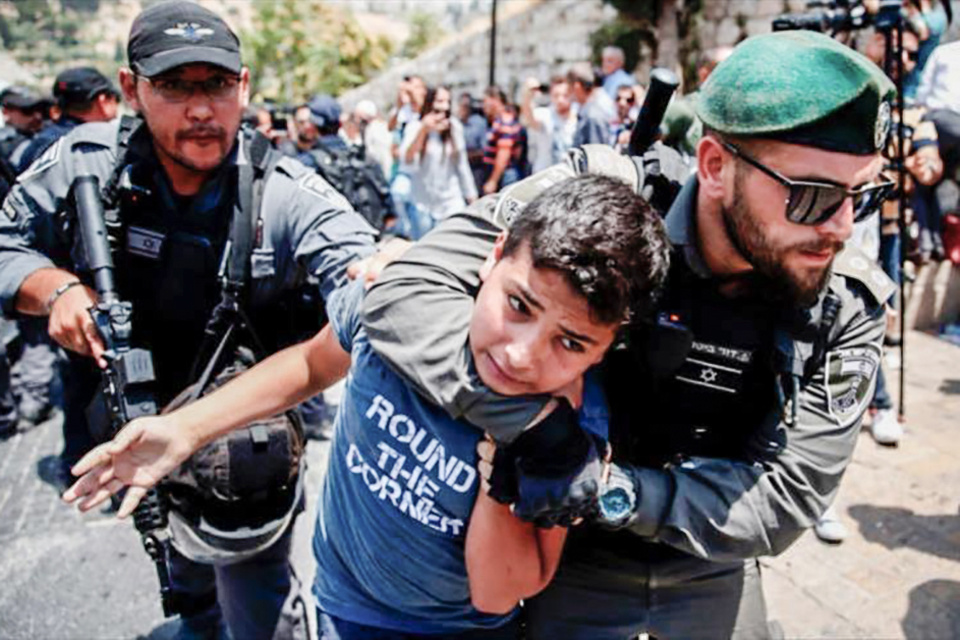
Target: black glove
551	472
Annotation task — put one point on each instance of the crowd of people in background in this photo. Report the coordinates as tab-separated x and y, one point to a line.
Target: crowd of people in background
439	150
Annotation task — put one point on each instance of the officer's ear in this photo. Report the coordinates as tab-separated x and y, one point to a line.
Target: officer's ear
244	86
493	257
711	158
128	86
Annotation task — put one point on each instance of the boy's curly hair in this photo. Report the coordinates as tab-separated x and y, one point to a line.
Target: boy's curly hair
607	241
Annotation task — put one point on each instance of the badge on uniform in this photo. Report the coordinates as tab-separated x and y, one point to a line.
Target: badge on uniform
146	243
46	160
850	376
716	367
317	186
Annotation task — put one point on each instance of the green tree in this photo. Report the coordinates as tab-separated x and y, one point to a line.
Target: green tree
424	32
301	47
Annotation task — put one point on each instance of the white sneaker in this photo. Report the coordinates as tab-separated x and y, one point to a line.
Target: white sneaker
885	427
829	528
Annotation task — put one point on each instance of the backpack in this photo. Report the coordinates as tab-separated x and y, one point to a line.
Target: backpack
357	179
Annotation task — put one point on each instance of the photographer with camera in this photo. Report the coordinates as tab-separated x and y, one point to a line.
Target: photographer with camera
434	154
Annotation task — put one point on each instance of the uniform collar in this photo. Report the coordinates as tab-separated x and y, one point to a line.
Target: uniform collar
681	224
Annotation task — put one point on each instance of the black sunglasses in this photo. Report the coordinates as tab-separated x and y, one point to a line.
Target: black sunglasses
813	203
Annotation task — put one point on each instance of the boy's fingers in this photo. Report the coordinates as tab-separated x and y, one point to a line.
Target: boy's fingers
124	438
98	456
130	501
486	450
101	495
485	469
81	487
106	475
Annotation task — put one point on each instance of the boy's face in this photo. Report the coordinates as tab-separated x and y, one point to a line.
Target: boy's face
530	331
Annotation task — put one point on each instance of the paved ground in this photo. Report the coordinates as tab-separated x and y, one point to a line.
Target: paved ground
898	575
65	576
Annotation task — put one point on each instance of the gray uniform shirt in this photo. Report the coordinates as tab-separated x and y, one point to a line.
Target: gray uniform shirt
417	318
309	229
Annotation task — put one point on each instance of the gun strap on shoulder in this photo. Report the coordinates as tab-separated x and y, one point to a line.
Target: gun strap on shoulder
236	271
129	126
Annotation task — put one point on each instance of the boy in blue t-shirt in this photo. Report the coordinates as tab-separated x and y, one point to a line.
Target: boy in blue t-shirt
406	543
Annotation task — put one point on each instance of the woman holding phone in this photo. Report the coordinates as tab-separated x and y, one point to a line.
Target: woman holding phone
433	153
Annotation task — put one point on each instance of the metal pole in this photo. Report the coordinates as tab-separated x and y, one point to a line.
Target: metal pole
493	43
902	223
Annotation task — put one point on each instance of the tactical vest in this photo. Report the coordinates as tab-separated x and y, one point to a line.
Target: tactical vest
696	379
188	277
171	260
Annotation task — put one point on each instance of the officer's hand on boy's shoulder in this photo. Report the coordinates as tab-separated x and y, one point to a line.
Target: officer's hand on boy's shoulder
369	268
550	474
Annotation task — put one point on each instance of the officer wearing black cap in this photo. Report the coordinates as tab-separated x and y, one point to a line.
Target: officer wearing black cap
23	116
736	407
83	95
317	123
346	167
185	191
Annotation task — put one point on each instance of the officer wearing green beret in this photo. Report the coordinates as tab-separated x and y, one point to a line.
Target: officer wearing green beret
734	409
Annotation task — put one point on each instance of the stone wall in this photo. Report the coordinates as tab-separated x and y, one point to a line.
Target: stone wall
545	37
534	38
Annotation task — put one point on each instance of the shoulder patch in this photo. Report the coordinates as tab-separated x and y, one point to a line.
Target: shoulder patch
318	187
856	265
514	198
850	375
49	158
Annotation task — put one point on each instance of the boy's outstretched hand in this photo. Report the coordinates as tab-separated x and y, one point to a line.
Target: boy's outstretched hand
138	457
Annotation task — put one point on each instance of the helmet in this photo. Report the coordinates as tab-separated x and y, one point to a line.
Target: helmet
198	534
237	495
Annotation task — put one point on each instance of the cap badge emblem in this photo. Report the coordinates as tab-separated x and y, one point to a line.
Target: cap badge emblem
190	31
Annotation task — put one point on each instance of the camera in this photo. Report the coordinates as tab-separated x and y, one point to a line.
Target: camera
835	16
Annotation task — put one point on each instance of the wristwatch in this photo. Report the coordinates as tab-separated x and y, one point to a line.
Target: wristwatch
617	499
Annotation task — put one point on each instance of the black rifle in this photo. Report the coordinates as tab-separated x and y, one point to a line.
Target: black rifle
125	391
663	83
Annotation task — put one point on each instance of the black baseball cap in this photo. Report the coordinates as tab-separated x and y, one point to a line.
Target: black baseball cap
174	33
22	98
81	84
324	111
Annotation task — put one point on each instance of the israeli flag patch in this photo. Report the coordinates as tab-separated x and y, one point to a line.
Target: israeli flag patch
144	242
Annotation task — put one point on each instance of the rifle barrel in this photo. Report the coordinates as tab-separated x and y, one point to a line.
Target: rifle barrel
86	193
663	83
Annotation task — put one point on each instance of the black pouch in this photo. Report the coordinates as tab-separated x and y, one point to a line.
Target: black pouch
254	464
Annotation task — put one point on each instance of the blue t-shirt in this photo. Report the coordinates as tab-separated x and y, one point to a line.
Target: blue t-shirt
399	491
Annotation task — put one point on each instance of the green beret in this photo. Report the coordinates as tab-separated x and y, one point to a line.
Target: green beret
801	87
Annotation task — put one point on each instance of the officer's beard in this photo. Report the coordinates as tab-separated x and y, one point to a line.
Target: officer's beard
770	277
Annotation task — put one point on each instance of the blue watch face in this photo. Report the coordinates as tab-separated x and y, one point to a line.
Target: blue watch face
616	504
